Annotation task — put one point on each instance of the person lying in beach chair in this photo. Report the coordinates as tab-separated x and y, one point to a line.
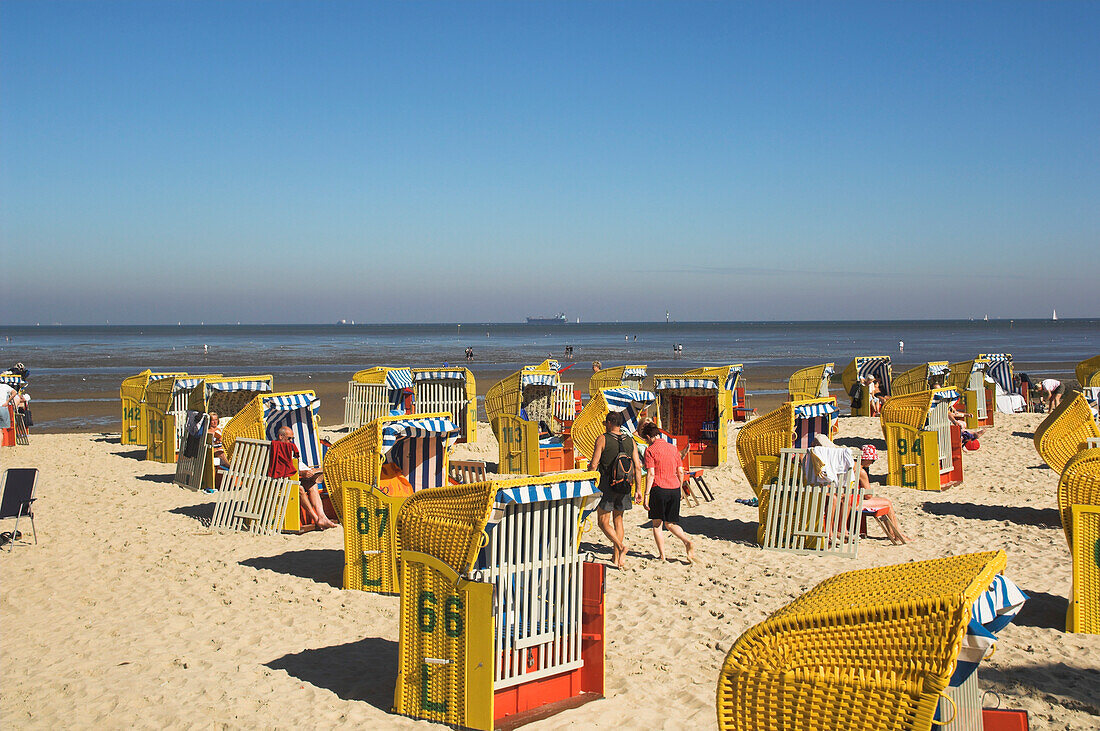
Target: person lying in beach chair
284	456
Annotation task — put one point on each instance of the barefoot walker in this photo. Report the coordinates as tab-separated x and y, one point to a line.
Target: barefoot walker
616	457
664	477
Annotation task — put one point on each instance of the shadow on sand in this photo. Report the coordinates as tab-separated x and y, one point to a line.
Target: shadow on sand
203	512
1040	517
320	565
365	670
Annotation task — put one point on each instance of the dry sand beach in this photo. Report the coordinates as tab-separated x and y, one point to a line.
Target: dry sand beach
130	613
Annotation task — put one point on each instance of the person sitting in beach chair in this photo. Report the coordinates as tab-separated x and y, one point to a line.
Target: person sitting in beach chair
880	508
309	479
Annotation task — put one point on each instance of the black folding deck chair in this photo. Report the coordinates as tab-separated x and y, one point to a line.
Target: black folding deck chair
17	496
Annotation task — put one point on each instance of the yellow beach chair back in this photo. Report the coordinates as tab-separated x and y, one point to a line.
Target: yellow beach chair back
809	383
1088	372
920	378
979	398
626	376
920	444
794	423
589	424
1065	431
531	389
1079	505
864	650
132	393
353	471
164	414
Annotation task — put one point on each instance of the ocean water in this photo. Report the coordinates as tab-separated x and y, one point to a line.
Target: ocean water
79	363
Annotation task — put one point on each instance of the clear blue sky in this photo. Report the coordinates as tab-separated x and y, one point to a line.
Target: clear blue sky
304	162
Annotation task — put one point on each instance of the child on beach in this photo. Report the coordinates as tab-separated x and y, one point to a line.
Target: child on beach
664	478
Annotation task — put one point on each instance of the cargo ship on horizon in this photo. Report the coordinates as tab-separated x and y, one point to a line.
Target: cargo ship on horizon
558	319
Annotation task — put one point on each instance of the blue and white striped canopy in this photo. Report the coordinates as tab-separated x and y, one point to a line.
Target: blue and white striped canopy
262	386
875	366
554	365
990	613
1000	370
935	369
184	384
15	382
415	428
808	411
525	494
398	378
296	411
619	399
160	376
946	395
538	379
731	378
634	372
667	383
828	372
459	375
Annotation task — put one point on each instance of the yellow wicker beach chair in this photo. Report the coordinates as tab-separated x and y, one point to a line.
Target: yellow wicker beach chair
920	378
377	392
863	366
132	394
624	376
871	649
497	618
164	413
451	390
515	406
226	396
790	426
731	389
261	420
812	382
1088	372
1079	504
923	446
589	423
689	407
979	394
1064	431
419	445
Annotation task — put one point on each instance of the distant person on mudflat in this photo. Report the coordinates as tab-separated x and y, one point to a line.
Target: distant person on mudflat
661	496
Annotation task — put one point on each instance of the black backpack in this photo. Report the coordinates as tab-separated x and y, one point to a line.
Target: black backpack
621	472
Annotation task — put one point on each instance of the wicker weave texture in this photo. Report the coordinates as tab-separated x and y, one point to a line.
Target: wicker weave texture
588	425
225	404
447	522
866	649
911	381
1088	371
370	538
764	437
507	397
1078	485
806	383
132	393
355	457
1063	433
1084	608
606	378
910	409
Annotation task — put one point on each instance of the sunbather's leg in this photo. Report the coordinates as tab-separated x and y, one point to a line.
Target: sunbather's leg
319	507
677	531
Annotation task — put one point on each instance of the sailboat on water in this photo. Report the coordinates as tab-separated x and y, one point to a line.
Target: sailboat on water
1054	315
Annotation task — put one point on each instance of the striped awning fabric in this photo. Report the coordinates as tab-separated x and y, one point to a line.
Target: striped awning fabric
184	384
262	386
807	411
416	428
935	369
990	613
877	367
161	376
828	371
634	372
554	365
288	410
1000	370
459	375
538	379
667	383
15	382
946	395
621	398
399	378
290	402
562	490
731	378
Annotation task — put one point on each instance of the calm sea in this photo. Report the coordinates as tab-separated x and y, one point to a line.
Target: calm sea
71	363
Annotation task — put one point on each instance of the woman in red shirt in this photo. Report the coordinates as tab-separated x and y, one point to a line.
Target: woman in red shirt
664	478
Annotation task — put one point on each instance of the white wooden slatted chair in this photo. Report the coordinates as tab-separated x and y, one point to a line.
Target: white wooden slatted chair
466	471
805	518
250	501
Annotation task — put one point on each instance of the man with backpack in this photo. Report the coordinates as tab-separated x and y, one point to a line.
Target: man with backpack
616	459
